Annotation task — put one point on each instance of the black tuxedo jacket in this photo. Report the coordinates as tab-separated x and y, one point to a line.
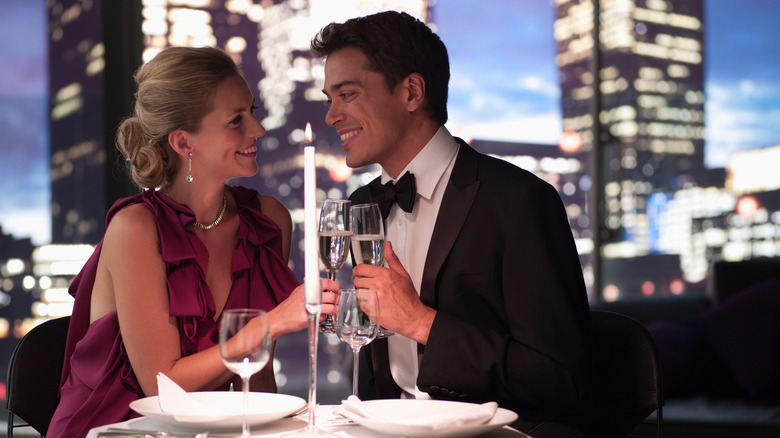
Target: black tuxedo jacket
512	321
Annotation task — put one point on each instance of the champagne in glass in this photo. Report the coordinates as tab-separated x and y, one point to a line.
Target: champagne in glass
368	240
334	247
357	323
335	233
245	347
369	248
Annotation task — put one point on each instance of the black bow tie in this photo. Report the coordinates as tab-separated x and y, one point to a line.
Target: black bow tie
402	192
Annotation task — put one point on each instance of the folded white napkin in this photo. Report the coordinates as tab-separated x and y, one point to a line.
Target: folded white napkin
176	401
475	414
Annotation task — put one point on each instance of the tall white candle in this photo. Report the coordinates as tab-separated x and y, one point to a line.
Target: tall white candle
312	291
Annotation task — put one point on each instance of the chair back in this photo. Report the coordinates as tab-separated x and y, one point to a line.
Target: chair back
34	371
730	278
628	381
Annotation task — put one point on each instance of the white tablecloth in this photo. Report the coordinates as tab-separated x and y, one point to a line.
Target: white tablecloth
325	419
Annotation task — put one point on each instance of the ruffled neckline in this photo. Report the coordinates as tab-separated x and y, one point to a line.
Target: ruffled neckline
182	250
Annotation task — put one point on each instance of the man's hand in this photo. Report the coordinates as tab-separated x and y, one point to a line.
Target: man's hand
399	303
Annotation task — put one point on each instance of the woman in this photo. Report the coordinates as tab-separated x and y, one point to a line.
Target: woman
150	297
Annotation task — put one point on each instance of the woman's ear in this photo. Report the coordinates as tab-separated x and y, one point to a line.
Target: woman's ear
179	142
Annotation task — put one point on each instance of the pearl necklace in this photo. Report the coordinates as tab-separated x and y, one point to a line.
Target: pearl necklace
216	222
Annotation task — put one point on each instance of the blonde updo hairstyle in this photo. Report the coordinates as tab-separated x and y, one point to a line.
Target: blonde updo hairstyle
175	91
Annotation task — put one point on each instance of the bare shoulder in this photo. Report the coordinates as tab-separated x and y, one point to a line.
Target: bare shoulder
129	261
134	217
132	227
276	211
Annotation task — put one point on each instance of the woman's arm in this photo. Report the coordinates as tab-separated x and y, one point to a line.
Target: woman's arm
137	273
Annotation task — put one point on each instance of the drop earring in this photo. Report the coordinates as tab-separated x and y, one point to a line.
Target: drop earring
189	168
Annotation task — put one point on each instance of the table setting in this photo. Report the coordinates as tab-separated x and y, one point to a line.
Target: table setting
269	416
175	413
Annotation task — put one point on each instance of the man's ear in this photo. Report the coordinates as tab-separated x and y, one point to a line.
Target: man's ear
415	85
178	140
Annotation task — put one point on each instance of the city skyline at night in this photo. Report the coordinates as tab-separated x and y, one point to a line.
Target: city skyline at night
508	96
504	88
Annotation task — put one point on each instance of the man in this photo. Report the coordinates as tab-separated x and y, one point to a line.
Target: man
483	288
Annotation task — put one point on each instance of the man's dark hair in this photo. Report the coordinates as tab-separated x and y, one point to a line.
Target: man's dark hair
396	45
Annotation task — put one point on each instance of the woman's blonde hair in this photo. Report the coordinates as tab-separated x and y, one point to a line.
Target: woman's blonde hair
175	91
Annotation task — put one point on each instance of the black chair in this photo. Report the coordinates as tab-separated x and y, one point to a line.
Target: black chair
730	278
628	381
34	376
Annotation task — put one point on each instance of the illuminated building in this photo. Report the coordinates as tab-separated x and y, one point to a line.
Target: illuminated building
89	72
637	104
753	171
752	227
698	225
15	297
76	121
33	287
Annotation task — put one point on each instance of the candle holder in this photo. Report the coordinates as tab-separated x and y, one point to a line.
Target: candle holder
313	311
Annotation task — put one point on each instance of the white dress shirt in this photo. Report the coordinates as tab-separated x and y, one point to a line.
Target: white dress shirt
410	235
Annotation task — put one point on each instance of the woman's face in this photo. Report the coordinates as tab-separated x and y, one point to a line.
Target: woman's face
225	145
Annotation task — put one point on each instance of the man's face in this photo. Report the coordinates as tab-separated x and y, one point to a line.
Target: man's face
369	118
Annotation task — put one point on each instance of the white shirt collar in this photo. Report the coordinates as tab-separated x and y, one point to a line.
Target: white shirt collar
430	163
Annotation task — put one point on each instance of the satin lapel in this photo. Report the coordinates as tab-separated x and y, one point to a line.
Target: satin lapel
455	205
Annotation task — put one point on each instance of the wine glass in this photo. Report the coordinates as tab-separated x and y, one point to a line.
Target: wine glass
245	346
357	323
334	234
368	240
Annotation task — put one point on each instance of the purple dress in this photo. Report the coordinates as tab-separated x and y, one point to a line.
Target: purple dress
98	382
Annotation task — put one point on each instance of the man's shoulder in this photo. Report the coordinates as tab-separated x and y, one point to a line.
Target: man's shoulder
362	194
498	177
490	167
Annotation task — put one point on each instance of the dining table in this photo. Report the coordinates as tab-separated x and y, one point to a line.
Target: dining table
327	418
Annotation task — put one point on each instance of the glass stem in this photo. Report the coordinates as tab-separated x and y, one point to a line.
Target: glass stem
245	427
328	322
313	317
355	357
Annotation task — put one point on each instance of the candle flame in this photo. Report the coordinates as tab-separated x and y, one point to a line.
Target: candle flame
308	133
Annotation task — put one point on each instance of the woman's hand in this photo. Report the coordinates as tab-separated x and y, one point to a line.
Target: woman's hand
290	315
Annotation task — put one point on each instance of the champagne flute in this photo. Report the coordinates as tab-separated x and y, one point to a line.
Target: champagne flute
334	234
368	240
357	323
245	351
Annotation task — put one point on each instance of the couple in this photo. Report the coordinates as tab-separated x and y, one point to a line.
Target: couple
483	286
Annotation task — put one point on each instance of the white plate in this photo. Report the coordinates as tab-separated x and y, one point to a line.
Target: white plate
400	409
264	408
